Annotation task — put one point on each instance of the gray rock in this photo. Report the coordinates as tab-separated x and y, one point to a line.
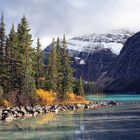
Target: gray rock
113	103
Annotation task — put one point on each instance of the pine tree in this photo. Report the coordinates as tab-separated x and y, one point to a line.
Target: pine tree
59	68
80	87
39	65
66	71
25	68
52	70
2	38
68	66
60	72
7	79
12	57
3	63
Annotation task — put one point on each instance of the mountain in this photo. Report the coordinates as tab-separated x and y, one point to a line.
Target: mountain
94	54
113	40
124	76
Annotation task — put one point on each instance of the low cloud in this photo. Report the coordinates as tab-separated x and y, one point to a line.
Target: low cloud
52	18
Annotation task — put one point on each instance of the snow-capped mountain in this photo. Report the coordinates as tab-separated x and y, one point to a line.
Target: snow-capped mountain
113	40
94	54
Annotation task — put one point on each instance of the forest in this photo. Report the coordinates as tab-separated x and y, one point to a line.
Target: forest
25	79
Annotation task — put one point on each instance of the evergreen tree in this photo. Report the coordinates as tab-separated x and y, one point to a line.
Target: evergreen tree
25	68
3	63
68	67
2	38
59	71
59	67
39	65
12	57
66	71
6	66
80	87
52	70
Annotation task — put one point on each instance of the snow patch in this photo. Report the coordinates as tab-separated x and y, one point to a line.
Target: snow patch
82	62
95	42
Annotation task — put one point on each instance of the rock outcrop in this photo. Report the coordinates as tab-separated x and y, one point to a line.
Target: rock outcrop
12	113
124	75
91	66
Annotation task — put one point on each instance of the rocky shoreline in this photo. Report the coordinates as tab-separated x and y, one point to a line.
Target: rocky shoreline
13	113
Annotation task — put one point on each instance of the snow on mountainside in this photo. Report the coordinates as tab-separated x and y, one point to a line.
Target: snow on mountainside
95	42
94	55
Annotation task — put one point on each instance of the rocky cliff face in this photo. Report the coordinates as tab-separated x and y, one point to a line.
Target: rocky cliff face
90	66
124	75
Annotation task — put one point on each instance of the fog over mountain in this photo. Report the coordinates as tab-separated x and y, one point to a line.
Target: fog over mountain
52	18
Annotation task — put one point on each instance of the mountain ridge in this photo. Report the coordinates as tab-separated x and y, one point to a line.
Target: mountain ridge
92	60
125	75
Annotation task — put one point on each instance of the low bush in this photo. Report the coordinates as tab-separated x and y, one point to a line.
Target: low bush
51	98
74	99
5	103
46	97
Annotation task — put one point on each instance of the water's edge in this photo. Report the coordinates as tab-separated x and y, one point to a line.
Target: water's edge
107	123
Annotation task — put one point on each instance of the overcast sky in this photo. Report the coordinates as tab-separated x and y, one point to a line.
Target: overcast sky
52	18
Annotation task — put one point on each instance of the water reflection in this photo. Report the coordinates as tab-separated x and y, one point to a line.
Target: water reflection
119	123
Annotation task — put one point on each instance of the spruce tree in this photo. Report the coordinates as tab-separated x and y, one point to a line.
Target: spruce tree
7	79
59	68
39	65
66	71
12	57
52	70
25	67
2	38
80	87
68	66
3	63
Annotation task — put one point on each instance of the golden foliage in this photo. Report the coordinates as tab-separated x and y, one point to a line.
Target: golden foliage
70	96
74	99
5	103
46	97
50	98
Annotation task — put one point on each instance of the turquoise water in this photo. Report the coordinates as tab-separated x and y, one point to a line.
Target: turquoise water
115	97
108	123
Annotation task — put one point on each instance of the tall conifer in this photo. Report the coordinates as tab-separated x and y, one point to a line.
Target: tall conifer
2	37
80	87
52	70
25	69
68	67
3	63
39	65
12	57
65	71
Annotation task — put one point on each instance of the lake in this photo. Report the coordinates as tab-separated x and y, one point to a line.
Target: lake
108	123
117	97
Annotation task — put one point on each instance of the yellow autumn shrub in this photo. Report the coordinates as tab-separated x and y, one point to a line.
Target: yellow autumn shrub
46	97
5	103
50	98
74	99
70	96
